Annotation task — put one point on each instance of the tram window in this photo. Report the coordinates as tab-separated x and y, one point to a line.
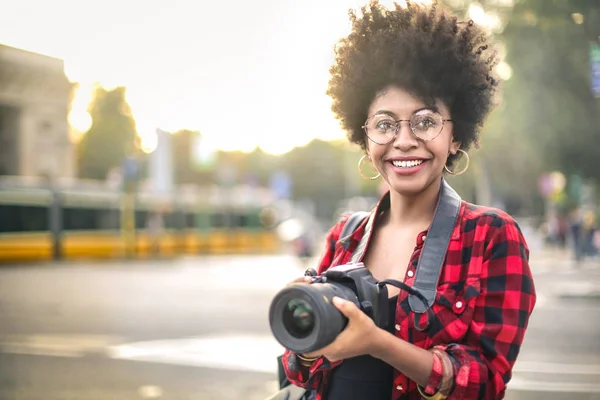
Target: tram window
141	219
253	220
81	219
242	220
78	219
171	220
190	220
203	220
179	219
109	219
18	218
218	220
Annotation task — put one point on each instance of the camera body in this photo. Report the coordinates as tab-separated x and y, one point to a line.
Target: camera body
303	318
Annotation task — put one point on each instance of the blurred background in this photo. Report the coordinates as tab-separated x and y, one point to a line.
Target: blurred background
166	167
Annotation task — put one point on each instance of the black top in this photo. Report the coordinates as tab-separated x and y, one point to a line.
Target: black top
364	377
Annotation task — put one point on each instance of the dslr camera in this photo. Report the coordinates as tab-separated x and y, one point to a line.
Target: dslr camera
303	318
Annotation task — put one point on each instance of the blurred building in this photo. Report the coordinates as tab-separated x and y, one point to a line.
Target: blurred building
34	103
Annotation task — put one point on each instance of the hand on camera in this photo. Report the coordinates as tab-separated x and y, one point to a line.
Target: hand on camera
302	279
355	340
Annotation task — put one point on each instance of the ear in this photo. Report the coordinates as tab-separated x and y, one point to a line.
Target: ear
454	146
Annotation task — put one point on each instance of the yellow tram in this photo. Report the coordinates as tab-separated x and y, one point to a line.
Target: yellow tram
84	220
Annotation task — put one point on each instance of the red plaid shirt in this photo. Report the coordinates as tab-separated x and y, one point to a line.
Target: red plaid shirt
485	296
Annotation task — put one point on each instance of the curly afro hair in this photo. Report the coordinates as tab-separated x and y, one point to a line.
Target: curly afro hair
425	51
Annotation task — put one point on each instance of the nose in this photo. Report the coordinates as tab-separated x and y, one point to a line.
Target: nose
405	139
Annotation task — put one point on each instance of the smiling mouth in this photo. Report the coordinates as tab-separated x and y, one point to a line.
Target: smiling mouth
407	164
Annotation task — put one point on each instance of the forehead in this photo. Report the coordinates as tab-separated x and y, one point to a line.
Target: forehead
400	102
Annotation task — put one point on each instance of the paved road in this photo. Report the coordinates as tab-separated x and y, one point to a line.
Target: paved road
196	328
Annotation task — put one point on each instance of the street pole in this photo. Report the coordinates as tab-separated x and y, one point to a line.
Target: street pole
128	221
130	176
55	221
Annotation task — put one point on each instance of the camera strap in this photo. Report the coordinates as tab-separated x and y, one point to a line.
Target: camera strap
434	250
352	223
422	293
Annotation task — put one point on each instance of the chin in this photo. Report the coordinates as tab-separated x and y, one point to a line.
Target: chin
410	187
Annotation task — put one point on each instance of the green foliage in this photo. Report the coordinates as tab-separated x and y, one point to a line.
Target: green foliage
323	172
111	136
185	170
548	118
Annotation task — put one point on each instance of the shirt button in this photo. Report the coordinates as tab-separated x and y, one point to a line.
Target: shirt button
400	388
410	274
459	304
397	327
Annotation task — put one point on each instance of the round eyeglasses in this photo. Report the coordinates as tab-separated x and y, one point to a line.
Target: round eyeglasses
424	124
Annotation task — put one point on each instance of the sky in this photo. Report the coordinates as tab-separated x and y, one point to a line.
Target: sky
244	73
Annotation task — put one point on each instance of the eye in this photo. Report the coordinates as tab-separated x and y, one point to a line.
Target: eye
425	123
385	126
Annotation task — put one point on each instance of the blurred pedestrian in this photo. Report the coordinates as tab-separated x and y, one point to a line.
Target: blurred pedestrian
576	223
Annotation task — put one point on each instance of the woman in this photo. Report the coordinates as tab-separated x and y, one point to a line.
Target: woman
412	86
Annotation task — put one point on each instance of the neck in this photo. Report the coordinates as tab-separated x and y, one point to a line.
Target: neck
414	210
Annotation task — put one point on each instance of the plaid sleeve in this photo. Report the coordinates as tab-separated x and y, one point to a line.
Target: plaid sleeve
483	363
330	242
297	374
304	377
435	379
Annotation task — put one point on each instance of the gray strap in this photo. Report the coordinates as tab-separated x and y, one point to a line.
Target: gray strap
359	251
352	223
434	251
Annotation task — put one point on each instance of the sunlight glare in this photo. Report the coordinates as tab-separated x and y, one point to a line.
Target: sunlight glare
78	117
504	70
477	13
149	140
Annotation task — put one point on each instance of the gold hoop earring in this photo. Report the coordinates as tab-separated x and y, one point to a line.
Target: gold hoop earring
360	170
464	169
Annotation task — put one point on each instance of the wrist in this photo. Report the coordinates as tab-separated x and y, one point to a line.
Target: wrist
306	361
305	357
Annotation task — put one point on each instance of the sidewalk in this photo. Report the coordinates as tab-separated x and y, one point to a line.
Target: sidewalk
547	254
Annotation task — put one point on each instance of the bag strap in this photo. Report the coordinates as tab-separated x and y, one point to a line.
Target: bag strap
435	248
352	223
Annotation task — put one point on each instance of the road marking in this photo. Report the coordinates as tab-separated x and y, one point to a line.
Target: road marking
231	352
150	392
555	368
555	301
58	345
527	385
577	289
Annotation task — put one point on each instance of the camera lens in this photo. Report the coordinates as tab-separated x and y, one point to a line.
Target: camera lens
302	317
298	318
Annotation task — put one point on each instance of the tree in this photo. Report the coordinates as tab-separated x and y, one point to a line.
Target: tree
548	118
325	173
111	136
550	54
185	167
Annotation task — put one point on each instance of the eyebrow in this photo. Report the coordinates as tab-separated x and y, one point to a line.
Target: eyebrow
394	115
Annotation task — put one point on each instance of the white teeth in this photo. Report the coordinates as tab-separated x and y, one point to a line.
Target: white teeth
407	164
